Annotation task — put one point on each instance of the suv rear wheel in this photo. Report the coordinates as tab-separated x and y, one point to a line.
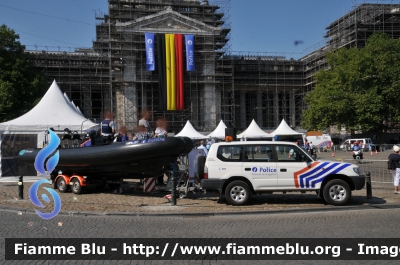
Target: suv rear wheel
337	192
237	192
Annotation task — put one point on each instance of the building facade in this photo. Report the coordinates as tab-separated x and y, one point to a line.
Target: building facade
230	86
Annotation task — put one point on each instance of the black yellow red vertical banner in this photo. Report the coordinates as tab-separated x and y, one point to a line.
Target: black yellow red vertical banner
161	70
170	65
179	71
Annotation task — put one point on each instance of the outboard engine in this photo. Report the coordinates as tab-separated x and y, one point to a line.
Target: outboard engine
66	139
76	139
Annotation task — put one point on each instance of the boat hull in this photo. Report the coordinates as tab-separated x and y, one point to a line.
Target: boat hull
136	159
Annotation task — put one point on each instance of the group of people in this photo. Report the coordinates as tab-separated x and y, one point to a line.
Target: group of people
310	148
144	129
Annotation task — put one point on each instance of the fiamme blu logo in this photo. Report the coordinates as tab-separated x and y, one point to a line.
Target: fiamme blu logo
51	164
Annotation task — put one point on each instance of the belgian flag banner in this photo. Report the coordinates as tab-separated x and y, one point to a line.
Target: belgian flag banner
170	69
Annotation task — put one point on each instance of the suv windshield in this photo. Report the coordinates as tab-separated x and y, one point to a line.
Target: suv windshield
289	153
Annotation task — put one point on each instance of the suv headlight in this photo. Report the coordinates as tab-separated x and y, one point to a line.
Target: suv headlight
357	170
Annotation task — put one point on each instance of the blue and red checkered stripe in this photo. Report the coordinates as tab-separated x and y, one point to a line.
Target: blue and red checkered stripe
308	177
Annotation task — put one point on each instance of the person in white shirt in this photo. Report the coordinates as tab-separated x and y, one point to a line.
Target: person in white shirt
201	146
226	154
145	120
312	145
161	130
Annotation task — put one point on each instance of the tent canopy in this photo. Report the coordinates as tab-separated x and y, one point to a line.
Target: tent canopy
189	131
284	129
219	132
53	110
254	131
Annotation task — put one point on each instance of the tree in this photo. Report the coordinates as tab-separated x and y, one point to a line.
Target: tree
20	85
359	90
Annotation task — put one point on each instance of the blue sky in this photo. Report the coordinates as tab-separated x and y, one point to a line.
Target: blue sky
270	26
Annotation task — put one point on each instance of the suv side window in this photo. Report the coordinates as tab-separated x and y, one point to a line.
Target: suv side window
288	153
258	153
230	153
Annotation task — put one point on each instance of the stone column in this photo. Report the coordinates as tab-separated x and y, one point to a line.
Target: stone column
144	99
276	109
293	110
126	97
218	109
210	118
243	110
127	111
210	97
131	110
259	109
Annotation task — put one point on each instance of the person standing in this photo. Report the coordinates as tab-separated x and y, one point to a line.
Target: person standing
122	135
107	128
394	164
145	114
202	146
142	134
312	146
307	147
161	130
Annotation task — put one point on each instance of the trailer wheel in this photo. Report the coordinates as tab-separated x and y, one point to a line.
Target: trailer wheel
76	186
62	185
201	161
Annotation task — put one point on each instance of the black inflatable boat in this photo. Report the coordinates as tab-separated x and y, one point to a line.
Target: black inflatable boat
134	159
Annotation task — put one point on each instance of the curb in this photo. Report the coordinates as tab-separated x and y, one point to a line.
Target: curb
211	214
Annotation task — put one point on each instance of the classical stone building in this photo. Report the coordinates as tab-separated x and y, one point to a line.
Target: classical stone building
234	87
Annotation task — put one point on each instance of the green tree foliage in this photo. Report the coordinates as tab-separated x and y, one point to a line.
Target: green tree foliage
360	89
20	85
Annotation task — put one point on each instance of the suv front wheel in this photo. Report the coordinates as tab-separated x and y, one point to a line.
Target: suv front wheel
337	192
237	192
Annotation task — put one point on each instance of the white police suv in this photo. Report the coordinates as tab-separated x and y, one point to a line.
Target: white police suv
238	169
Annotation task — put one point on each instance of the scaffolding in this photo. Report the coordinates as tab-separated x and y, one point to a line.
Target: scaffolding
233	86
120	35
352	31
83	75
268	88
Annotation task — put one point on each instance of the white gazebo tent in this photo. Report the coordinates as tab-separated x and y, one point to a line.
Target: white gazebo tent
189	131
79	111
28	130
72	104
254	131
285	131
53	110
219	132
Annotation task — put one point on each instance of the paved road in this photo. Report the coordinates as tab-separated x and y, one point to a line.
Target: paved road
357	224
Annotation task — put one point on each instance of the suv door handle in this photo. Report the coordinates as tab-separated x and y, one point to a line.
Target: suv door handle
247	169
283	169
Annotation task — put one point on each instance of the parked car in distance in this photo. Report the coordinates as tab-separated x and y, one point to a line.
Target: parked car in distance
365	143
